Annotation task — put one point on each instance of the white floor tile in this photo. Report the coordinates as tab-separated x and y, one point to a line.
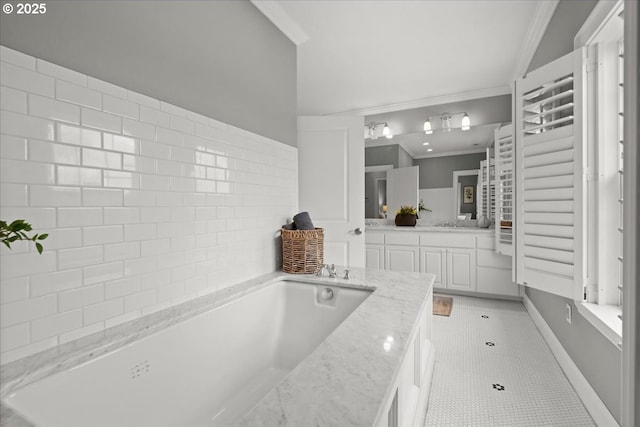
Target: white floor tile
493	368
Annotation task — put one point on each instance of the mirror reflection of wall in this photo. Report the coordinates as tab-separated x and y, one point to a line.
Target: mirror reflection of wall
465	189
436	188
375	190
467	195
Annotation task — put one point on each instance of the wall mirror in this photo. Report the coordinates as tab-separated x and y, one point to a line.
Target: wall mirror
454	151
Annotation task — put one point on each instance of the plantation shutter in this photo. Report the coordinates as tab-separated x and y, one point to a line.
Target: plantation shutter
550	173
486	188
504	216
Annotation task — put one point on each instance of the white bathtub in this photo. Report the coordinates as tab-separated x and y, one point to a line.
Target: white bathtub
205	371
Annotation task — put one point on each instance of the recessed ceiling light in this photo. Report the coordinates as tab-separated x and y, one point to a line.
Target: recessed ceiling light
429	149
425	143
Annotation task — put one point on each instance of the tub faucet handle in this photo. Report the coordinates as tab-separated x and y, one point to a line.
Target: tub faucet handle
346	275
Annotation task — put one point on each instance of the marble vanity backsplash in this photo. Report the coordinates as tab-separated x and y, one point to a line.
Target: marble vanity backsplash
373	222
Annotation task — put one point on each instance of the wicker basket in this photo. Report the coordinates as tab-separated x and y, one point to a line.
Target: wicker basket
302	250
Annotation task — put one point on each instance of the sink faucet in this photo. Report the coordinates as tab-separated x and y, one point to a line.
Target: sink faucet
330	268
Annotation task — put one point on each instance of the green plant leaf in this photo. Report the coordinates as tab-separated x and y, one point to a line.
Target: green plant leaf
16	230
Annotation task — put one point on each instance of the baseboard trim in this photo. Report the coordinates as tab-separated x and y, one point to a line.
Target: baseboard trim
596	408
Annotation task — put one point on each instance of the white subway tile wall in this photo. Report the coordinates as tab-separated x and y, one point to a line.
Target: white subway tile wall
147	204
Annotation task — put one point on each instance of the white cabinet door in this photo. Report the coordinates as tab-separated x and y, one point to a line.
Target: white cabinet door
401	258
461	269
375	256
434	261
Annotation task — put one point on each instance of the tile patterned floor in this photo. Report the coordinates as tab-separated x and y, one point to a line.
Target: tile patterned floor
493	368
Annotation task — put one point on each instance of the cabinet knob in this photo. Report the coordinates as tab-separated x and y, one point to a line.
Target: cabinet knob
358	231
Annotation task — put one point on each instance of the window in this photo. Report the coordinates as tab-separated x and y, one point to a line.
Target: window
604	109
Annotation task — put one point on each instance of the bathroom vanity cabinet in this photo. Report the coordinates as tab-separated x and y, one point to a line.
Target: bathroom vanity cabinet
462	259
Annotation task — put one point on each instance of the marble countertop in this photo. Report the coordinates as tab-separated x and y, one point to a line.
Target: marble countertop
429	228
345	381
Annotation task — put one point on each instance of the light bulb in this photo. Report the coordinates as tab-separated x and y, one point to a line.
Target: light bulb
427	127
425	143
466	122
387	132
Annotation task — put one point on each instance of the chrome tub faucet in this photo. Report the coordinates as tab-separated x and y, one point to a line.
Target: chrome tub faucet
331	269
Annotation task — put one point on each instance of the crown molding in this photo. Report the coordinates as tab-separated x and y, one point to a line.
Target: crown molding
274	11
541	18
408	150
451	153
426	102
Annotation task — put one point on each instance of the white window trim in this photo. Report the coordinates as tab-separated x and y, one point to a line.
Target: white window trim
605	318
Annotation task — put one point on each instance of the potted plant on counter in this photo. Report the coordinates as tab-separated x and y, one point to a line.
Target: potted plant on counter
406	216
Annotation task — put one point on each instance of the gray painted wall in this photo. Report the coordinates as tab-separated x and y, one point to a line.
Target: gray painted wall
558	39
404	159
388	155
383	155
222	59
596	357
464	181
437	172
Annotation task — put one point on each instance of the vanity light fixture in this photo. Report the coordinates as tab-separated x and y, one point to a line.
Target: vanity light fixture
386	130
445	122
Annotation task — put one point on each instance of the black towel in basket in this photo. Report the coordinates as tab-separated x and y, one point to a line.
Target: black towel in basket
303	221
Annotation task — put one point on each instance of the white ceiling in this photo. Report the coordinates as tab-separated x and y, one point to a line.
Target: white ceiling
364	56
